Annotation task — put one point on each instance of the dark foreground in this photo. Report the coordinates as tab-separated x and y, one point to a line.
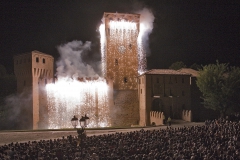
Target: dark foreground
218	139
7	137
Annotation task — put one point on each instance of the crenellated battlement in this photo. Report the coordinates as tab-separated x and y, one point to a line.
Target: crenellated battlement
187	115
157	117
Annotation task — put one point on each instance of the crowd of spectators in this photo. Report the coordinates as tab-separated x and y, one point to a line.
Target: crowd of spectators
216	140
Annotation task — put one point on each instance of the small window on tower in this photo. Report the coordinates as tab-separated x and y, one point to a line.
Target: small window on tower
130	46
37	59
125	79
116	62
43	60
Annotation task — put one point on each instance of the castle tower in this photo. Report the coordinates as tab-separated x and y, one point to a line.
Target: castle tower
121	53
119	47
33	71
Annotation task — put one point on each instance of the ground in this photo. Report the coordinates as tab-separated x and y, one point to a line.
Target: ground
25	136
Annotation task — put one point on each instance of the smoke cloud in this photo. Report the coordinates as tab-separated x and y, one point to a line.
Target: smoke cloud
73	62
146	21
17	108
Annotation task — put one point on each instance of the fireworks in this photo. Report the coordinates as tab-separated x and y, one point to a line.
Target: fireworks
68	97
103	41
142	60
123	58
120	35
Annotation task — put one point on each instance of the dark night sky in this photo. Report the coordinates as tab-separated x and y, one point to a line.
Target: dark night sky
192	31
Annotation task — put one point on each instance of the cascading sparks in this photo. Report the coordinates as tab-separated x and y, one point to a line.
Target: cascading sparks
68	97
103	42
123	25
142	60
124	32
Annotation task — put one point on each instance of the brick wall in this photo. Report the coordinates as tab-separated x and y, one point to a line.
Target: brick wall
125	111
157	117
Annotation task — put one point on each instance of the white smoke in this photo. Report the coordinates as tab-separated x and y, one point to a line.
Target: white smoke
17	111
146	26
71	64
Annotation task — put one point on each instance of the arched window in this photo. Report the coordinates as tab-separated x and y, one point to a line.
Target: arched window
43	60
37	59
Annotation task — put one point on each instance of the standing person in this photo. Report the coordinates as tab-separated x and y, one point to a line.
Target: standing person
164	121
169	121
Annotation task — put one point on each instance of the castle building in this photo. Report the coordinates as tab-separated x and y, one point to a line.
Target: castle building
131	97
199	112
163	90
120	64
33	71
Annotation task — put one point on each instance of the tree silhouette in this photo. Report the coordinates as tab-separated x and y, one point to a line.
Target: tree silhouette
177	65
220	85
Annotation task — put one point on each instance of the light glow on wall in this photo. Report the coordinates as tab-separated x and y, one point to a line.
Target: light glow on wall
123	33
68	97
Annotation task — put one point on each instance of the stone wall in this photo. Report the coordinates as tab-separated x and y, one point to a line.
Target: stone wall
125	110
33	70
157	117
187	115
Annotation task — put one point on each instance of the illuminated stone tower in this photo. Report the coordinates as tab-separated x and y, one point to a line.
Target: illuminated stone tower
119	48
121	52
33	71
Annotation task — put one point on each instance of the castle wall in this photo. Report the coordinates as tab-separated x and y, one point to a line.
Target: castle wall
157	118
167	93
142	101
32	71
120	59
125	111
187	115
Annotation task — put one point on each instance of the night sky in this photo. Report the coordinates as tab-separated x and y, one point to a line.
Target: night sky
184	30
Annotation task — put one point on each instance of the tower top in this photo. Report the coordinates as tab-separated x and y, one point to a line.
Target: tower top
33	52
122	16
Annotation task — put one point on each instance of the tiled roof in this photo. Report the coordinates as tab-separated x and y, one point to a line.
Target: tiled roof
165	71
191	71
